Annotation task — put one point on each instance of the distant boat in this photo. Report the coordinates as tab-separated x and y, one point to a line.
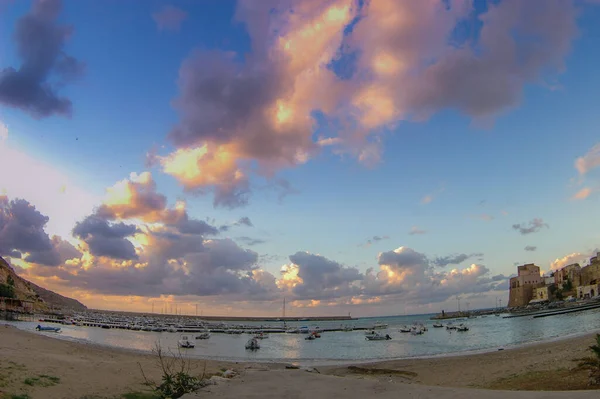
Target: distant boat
46	328
310	338
405	329
462	327
377	337
438	325
450	326
172	329
204	335
252	344
185	342
380	326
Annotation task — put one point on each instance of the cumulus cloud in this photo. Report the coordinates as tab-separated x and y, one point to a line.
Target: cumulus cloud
45	66
575	257
169	18
107	239
406	60
589	161
22	226
316	277
416	230
533	226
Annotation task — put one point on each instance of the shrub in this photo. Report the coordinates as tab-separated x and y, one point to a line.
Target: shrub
176	379
592	363
7	291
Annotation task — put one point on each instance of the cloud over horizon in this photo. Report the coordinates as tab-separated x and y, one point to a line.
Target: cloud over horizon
135	244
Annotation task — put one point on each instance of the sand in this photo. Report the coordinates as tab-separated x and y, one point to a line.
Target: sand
78	370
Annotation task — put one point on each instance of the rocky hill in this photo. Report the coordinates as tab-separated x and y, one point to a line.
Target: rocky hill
43	299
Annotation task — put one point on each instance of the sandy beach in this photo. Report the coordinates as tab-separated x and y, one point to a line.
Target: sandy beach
78	370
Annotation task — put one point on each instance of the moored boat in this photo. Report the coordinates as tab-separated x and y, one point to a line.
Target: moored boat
377	337
204	335
185	342
252	344
47	328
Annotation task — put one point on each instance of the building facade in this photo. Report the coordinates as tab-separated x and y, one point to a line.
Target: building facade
571	273
588	291
523	285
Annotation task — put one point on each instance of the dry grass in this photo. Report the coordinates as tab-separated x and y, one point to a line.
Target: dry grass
549	380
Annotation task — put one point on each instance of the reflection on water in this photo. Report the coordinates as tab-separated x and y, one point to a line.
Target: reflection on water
485	334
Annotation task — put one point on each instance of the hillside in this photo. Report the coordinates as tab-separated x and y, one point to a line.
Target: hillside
43	299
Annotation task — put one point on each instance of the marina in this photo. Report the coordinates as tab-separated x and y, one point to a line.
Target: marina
337	342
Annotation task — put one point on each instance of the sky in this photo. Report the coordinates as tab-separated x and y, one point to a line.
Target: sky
351	156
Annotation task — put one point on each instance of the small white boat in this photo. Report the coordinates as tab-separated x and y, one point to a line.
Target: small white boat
185	342
377	337
252	344
204	335
172	329
380	326
462	327
405	329
347	328
450	326
417	331
370	332
261	335
438	325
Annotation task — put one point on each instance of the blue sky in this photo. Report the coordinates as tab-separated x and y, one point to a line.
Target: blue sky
483	177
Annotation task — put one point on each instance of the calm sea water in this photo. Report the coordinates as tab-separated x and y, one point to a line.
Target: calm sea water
485	334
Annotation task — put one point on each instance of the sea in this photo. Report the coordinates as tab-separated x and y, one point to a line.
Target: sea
485	334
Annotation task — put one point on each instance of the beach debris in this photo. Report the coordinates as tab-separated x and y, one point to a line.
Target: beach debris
229	374
311	370
292	367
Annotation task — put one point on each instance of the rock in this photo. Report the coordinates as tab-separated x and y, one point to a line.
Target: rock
229	374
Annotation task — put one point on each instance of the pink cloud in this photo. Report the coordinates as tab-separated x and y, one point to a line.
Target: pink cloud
254	114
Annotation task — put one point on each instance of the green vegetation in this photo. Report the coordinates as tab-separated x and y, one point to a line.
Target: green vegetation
10	281
7	291
592	363
42	380
567	285
176	380
18	396
141	395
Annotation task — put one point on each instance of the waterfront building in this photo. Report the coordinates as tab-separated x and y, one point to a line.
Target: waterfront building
571	272
588	291
523	285
590	274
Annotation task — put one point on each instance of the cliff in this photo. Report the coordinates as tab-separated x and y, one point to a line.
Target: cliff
42	298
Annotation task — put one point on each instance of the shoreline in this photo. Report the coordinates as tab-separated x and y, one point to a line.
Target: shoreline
325	362
109	372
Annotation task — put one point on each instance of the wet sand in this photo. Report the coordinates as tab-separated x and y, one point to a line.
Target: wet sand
92	371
